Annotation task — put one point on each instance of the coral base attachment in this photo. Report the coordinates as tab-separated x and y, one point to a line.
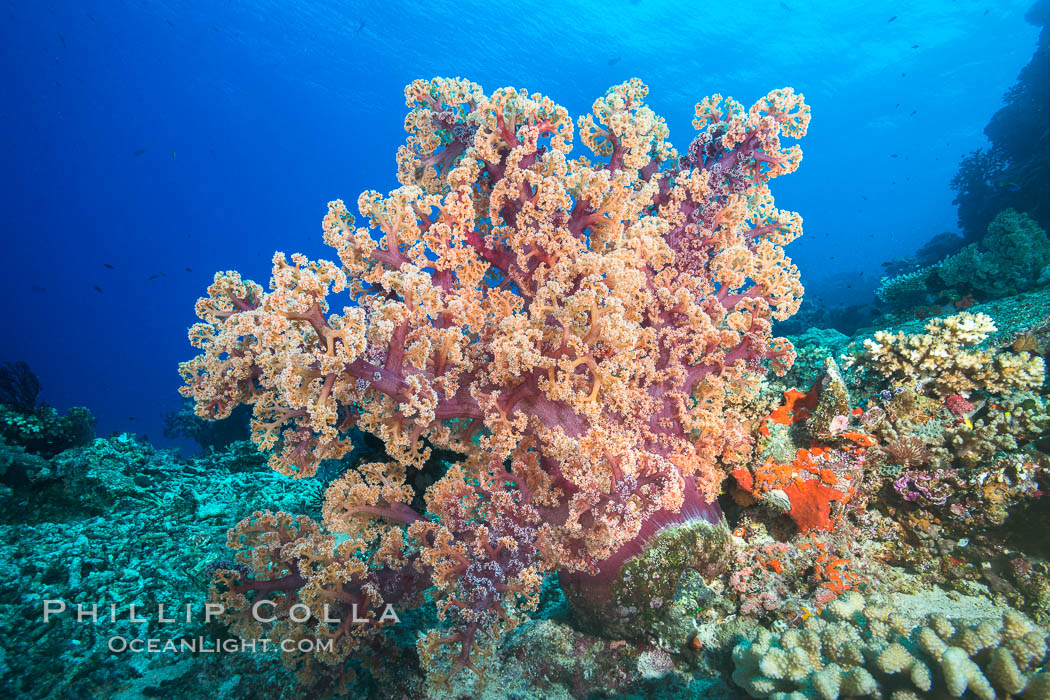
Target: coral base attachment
657	592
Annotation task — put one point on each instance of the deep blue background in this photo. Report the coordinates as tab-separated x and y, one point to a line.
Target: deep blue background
177	138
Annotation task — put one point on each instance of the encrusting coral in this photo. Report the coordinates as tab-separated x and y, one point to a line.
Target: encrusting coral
808	483
581	330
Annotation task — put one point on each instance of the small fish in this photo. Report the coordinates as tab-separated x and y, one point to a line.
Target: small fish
154	277
915	46
968	423
173	155
138	152
359	28
893	155
97	288
62	39
891	19
913	113
91	17
170	22
614	61
785	6
903	75
1010	185
131	417
896	106
988	10
189	269
38	288
108	266
864	197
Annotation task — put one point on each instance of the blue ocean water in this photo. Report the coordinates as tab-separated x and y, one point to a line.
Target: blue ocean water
148	144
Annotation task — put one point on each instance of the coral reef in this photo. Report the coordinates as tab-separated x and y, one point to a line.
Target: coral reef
855	649
1013	171
945	361
583	332
1012	257
812	348
532	435
1008	260
808	484
45	431
34	428
907	290
656	593
127	524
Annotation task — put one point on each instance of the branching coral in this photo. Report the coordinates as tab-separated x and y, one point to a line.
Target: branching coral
944	361
581	330
906	290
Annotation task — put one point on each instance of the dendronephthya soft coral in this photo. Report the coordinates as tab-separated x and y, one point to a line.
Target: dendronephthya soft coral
580	330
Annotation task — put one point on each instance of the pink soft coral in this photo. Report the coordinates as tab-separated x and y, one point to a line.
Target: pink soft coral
580	330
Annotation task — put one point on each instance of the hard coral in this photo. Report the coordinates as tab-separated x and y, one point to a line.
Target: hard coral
944	361
855	650
1008	260
579	329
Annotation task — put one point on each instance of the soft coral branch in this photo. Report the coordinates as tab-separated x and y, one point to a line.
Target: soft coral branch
578	331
